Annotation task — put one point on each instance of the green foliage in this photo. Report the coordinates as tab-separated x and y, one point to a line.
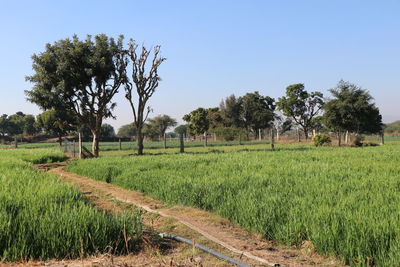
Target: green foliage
256	111
157	126
198	121
228	133
42	218
80	77
344	200
301	106
55	122
351	109
321	139
230	112
107	130
128	130
181	129
393	127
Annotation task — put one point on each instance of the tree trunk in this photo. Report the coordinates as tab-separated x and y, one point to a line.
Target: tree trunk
298	135
346	139
16	142
339	134
277	134
140	141
259	134
95	143
60	140
305	134
205	138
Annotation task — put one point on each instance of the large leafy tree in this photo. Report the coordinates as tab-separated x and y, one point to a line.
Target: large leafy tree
301	106
20	124
256	111
107	130
161	123
56	123
230	110
81	77
198	122
352	109
128	130
4	126
142	82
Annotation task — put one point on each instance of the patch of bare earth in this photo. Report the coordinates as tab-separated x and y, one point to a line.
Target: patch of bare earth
198	225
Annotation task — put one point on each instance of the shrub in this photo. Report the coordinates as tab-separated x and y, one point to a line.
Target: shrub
227	133
321	139
357	141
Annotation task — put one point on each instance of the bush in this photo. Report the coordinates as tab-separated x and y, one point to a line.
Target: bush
321	139
357	141
227	133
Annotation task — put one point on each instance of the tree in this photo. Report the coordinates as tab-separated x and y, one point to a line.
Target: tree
230	109
128	130
181	129
256	112
80	77
198	122
161	123
301	106
107	130
4	125
352	109
20	124
145	82
56	123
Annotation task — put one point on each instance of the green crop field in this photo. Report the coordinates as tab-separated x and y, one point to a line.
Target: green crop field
345	200
42	218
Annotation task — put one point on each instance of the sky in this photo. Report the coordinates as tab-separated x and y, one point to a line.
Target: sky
217	48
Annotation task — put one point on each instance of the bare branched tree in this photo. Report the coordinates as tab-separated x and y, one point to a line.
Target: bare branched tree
145	81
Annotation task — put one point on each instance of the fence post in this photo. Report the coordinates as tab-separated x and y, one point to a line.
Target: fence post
382	138
16	142
120	145
272	138
73	149
182	144
165	140
205	138
80	144
259	134
240	139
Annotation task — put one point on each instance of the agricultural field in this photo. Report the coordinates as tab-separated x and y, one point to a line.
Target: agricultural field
344	200
42	218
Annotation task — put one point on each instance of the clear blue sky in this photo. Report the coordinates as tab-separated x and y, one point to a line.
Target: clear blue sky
216	48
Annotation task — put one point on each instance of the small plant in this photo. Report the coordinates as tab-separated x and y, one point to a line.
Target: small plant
321	139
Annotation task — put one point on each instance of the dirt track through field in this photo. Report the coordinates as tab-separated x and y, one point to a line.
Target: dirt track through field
213	227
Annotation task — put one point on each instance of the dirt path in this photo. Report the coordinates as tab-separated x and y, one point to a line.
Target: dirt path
229	238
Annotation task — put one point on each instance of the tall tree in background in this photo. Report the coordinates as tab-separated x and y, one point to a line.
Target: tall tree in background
161	123
80	77
352	109
301	106
144	82
128	130
57	123
230	109
198	122
256	112
107	130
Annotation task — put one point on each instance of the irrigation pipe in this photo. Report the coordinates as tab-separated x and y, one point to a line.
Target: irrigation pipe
210	251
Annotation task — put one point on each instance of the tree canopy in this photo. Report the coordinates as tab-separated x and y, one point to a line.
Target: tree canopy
81	77
352	109
301	106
